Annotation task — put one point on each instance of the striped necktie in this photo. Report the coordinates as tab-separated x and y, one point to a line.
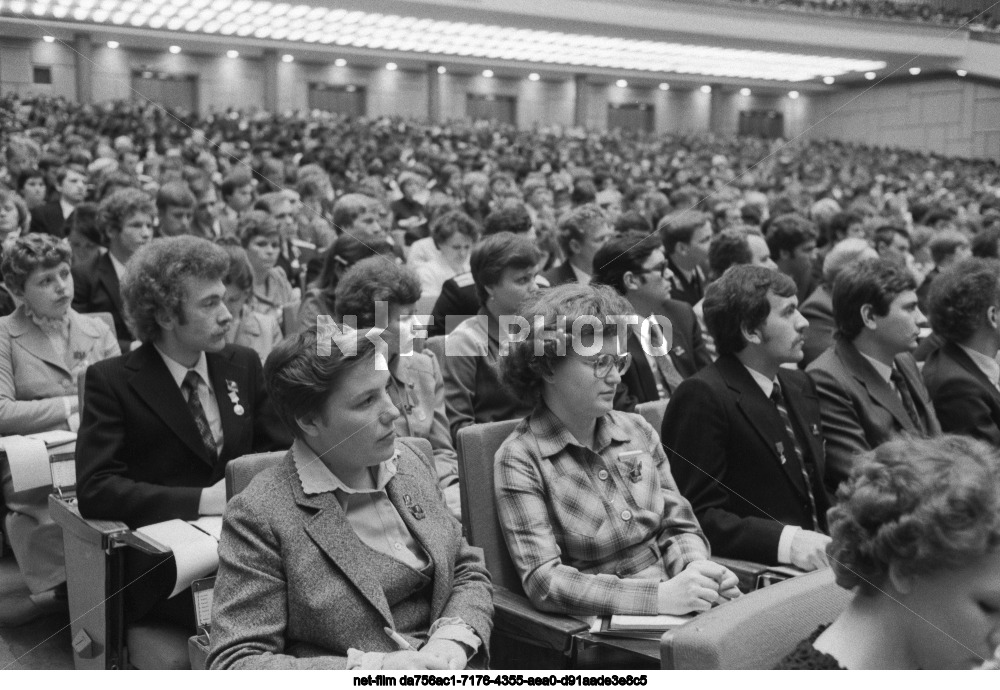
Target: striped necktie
190	387
779	402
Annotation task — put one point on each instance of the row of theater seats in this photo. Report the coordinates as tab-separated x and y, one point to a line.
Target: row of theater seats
754	631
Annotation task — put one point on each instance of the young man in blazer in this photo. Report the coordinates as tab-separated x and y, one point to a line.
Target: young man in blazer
868	383
161	422
743	434
963	376
127	218
636	267
51	218
582	232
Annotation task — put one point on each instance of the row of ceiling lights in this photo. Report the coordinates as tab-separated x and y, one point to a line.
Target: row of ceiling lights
534	76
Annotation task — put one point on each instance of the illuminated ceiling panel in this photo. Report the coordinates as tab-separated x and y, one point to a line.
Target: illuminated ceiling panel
338	27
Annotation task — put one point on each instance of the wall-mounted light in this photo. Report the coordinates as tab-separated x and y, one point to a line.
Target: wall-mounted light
287	58
340	62
48	39
442	69
793	94
914	71
534	76
232	54
113	45
745	91
706	89
664	86
870	75
961	72
621	84
391	66
174	50
828	80
488	73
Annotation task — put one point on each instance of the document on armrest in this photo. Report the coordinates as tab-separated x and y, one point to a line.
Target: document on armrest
196	553
642	627
29	462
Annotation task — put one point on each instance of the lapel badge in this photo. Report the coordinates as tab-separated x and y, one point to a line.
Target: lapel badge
678	351
780	447
234	398
814	428
417	512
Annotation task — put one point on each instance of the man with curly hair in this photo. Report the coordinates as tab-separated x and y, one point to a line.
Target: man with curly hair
963	376
160	423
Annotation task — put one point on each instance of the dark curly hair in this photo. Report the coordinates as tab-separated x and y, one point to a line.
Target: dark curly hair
371	280
729	248
925	505
876	282
154	282
521	370
738	300
961	295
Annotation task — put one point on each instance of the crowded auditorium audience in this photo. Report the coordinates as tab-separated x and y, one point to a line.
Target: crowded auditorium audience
765	403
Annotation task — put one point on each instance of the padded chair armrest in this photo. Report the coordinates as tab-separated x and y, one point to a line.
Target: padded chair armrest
100	533
516	618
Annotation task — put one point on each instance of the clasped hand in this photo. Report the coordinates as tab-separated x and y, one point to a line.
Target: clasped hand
436	655
697	588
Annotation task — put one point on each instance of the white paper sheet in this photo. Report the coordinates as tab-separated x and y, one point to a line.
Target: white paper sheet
210	524
196	553
29	462
661	622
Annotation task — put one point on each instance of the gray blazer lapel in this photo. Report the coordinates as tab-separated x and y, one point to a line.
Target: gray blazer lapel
412	499
878	390
29	336
333	534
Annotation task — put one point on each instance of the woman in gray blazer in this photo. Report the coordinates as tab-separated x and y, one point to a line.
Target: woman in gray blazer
344	555
44	347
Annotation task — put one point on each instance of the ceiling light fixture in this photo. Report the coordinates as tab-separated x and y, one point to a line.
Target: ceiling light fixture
309	23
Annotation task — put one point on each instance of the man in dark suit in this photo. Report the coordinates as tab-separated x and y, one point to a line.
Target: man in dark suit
686	237
818	308
127	218
869	385
743	434
963	376
51	217
792	240
160	423
635	266
582	232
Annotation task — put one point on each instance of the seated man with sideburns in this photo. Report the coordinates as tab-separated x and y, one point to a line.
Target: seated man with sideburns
161	422
343	555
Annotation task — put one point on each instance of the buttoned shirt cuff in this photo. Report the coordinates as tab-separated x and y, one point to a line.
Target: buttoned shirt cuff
456	630
785	543
364	661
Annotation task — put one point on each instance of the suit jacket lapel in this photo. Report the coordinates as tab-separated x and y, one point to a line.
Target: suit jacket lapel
106	275
963	360
426	531
760	413
333	534
221	370
878	390
151	381
809	430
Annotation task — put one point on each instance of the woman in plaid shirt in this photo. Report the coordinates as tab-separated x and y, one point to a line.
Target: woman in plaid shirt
593	519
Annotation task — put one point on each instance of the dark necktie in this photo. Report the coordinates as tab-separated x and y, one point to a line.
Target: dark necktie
190	387
904	393
779	402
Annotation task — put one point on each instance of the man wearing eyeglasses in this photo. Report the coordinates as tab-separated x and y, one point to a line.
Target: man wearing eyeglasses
743	436
635	265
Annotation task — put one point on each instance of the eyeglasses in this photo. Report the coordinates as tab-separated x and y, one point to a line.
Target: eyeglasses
663	268
604	363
